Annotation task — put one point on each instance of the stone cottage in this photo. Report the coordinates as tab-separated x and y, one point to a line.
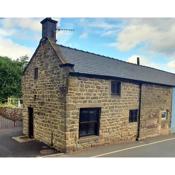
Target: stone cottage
74	99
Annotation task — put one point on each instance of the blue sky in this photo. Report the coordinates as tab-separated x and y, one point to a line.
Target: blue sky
152	39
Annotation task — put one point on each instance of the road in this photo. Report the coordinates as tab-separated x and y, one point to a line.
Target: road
162	146
12	148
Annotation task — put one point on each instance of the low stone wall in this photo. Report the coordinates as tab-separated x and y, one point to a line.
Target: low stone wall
11	113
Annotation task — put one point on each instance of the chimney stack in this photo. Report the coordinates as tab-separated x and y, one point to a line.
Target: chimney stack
49	29
138	61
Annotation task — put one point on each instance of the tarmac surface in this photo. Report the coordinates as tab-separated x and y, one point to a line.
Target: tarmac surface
11	148
161	146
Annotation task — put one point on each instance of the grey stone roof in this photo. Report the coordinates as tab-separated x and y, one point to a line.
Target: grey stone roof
94	64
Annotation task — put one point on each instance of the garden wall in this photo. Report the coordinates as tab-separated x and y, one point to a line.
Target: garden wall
11	113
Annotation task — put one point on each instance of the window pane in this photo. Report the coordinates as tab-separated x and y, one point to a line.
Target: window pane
84	115
93	115
115	87
92	129
83	129
133	115
89	121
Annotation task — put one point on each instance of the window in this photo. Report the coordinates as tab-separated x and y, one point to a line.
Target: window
115	87
89	121
133	115
36	73
164	115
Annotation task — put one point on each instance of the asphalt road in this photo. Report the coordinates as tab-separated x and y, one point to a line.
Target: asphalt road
162	146
12	148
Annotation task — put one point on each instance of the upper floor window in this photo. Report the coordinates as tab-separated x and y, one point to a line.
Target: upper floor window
115	87
133	114
36	73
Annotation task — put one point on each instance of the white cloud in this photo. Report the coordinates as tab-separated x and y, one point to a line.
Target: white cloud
13	50
109	33
156	34
6	33
143	61
171	64
102	24
25	23
169	67
63	37
84	35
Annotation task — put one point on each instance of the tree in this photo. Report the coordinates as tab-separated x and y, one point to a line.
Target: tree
10	77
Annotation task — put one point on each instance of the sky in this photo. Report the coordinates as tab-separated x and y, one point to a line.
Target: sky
151	39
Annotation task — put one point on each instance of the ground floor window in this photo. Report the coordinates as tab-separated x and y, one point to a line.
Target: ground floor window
133	114
89	121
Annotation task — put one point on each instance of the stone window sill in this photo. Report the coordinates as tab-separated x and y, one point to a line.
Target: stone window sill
88	139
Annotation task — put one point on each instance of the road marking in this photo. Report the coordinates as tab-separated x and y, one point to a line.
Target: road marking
52	155
134	147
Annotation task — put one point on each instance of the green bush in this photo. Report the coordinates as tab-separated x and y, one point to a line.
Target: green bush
10	77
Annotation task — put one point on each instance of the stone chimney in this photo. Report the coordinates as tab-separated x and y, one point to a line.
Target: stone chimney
138	61
49	29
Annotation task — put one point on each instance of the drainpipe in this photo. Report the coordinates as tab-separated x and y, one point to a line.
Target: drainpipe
139	113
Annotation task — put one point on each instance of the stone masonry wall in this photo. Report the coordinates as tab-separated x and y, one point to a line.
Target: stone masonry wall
47	97
114	125
155	99
14	114
114	119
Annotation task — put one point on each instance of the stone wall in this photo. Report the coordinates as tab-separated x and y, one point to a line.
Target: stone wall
114	119
114	125
14	114
46	96
155	99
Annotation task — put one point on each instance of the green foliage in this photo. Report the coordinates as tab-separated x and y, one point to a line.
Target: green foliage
10	77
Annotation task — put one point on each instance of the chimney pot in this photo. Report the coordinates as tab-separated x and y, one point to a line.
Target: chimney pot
138	61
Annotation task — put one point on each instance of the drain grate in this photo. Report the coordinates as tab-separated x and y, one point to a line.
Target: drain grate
47	151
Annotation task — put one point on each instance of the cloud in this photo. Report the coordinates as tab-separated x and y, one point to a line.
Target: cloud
13	50
32	24
109	33
155	35
6	33
84	35
101	24
64	37
171	64
24	23
143	61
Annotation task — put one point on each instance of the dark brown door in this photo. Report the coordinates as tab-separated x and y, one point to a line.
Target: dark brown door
30	112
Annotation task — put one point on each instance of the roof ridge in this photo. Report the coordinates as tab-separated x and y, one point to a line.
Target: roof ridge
115	59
